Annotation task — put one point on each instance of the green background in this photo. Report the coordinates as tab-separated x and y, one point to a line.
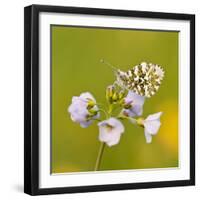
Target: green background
76	68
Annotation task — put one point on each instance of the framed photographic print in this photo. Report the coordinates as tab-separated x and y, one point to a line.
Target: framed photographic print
109	99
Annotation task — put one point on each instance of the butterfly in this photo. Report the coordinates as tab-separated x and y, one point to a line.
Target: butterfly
144	79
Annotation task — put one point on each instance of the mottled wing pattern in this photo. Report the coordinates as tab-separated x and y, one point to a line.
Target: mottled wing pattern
143	79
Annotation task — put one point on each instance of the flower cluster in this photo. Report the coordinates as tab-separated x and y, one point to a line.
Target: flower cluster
127	93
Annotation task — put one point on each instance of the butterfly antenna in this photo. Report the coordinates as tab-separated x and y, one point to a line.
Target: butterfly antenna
108	64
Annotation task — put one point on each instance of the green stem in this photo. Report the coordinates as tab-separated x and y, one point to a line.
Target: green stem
96	120
133	120
110	109
102	110
99	157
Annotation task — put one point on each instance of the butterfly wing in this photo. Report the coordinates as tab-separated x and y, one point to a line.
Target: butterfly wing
143	79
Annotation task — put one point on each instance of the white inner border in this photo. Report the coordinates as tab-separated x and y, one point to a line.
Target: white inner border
46	180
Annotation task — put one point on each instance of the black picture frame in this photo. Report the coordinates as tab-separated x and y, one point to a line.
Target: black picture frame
31	98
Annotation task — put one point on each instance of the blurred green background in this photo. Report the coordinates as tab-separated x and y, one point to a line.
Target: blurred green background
76	68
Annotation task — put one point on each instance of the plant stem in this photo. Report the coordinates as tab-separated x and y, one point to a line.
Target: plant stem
99	157
110	109
106	114
133	120
102	146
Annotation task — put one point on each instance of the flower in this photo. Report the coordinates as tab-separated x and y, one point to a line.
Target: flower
133	104
83	109
151	125
110	131
143	79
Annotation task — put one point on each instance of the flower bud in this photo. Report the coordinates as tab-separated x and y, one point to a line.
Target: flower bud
114	94
109	93
93	112
115	97
140	122
90	104
121	94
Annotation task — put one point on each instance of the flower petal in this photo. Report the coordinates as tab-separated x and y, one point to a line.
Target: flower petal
136	101
154	116
137	110
110	131
148	137
111	138
135	98
115	140
116	124
74	98
85	124
87	95
152	127
79	110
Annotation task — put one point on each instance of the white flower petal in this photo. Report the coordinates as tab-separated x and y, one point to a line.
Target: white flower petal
79	109
152	123
135	98
74	98
152	127
154	116
115	140
137	110
116	124
110	138
136	101
87	95
148	137
103	136
110	131
134	111
85	124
